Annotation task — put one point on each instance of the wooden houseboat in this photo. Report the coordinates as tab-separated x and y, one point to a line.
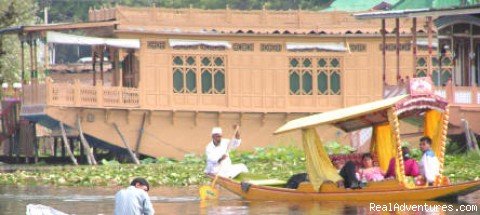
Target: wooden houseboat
176	73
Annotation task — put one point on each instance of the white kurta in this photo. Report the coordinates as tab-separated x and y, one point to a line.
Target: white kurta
429	166
226	168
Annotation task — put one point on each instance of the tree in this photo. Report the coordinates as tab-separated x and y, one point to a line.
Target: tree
13	13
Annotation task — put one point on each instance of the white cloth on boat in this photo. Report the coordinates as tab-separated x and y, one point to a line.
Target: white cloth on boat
133	201
33	209
225	168
429	166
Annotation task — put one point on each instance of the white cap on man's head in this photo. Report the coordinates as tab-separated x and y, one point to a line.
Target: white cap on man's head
216	130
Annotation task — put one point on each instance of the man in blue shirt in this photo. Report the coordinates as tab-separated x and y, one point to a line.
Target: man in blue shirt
134	199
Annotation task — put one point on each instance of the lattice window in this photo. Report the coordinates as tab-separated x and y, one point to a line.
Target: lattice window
212	74
329	76
326	70
422	64
209	69
301	69
184	74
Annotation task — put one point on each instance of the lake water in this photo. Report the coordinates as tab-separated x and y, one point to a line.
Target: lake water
72	200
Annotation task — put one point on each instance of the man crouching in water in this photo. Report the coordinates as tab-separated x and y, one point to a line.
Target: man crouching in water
218	160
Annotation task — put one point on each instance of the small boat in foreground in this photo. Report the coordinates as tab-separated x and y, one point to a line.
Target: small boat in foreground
389	190
384	117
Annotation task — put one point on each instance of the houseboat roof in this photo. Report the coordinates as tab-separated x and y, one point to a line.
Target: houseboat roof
56	27
419	12
227	21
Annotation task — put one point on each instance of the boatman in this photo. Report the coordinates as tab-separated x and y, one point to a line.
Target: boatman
218	160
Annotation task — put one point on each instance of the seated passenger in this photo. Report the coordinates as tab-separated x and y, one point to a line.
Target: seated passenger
411	165
347	171
295	180
370	172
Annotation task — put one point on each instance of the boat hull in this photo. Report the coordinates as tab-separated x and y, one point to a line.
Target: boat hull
373	193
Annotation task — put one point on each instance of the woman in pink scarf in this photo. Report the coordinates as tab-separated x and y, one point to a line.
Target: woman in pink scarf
370	172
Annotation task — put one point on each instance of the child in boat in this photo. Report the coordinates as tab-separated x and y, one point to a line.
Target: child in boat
411	165
370	172
429	164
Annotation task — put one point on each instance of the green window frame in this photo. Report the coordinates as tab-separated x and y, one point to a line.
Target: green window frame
329	75
301	76
213	74
184	74
305	72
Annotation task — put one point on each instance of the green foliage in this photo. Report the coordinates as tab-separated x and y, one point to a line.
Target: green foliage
271	162
452	147
334	147
462	167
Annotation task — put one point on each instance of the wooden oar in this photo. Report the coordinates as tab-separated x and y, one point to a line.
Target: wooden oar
208	191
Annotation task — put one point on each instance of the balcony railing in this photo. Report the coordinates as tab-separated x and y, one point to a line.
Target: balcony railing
459	95
80	95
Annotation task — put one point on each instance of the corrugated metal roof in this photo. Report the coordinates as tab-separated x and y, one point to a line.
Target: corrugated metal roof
356	5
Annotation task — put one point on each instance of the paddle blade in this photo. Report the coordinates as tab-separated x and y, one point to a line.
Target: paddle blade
208	192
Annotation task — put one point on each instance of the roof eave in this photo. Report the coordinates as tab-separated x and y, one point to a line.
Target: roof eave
425	12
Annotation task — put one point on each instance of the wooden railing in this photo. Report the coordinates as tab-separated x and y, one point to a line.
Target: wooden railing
80	95
459	95
33	94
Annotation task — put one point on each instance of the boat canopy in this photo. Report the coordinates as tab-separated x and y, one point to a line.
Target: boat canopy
62	38
386	144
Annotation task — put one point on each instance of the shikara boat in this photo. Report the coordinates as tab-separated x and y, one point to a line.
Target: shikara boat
384	116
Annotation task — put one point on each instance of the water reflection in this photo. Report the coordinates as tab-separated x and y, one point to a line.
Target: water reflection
13	200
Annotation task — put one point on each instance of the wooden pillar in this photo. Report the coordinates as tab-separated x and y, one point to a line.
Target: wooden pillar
31	57
140	135
101	65
55	145
90	157
471	60
82	153
35	141
397	37
67	144
94	59
125	143
22	59
35	61
117	68
63	148
414	46
430	38
384	57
